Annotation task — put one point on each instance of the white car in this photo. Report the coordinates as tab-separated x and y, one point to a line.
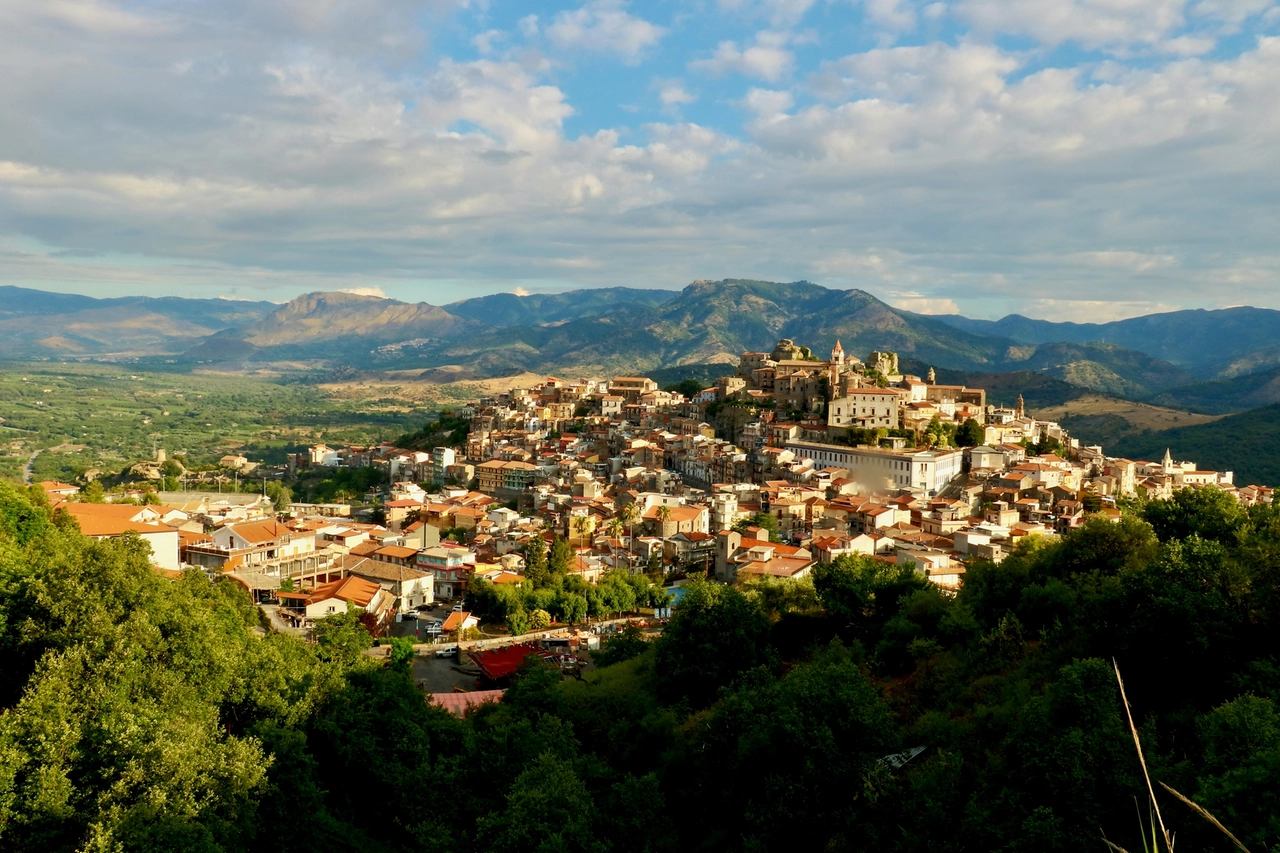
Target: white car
447	652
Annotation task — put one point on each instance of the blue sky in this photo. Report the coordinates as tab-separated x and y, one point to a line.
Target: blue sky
1069	159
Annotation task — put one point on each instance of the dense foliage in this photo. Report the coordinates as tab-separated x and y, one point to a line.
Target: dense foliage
143	713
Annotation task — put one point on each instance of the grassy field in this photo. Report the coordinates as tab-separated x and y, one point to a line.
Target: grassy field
1095	419
107	417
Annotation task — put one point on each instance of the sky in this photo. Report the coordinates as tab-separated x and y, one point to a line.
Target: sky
1067	159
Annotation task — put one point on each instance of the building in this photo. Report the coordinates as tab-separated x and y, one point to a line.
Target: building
919	471
865	408
111	521
411	587
505	479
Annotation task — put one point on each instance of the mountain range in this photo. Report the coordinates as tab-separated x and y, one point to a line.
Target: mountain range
1219	360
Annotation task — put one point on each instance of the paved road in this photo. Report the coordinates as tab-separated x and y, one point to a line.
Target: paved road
28	473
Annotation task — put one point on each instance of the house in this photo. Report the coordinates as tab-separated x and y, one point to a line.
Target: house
681	519
411	587
459	621
690	549
337	597
111	521
452	569
268	546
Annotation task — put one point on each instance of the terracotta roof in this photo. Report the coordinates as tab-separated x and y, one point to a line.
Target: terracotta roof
456	620
257	532
398	552
358	591
459	704
368	568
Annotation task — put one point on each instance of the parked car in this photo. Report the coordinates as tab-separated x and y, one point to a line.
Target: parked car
447	652
457	608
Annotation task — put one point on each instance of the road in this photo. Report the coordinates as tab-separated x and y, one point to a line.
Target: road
28	473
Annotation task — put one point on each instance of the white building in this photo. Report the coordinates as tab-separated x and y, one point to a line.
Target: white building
921	471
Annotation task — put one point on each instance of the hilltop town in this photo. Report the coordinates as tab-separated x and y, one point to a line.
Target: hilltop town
788	462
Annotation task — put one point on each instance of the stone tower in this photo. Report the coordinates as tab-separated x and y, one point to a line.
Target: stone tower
933	377
1021	411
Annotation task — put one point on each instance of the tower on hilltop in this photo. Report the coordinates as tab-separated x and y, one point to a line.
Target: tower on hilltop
837	353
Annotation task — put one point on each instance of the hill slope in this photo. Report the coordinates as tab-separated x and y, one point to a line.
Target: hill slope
1243	443
1225	395
508	309
1186	338
39	324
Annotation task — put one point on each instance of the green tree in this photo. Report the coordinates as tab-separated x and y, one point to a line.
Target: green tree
539	620
93	493
623	646
715	634
548	810
535	563
1207	512
561	557
764	520
970	434
341	638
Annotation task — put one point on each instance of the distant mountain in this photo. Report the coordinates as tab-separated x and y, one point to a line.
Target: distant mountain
609	330
1241	443
1225	395
1187	338
536	309
36	324
327	321
712	322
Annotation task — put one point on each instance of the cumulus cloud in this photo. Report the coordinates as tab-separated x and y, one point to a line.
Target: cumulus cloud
365	291
277	146
673	94
767	59
604	26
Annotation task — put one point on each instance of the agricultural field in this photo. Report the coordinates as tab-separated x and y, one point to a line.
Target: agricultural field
107	417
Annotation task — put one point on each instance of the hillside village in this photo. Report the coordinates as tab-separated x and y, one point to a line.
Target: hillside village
790	461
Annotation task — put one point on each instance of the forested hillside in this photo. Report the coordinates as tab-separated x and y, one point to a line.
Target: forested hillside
142	713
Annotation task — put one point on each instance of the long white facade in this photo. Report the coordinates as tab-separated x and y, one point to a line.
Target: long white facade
923	471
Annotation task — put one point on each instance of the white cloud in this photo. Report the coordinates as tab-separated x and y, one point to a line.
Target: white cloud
779	13
277	146
673	94
767	59
365	291
926	305
484	42
604	26
1091	23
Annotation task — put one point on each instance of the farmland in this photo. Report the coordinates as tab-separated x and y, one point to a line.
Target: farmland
87	416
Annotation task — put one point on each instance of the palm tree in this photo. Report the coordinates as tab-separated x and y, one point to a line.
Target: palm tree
614	530
664	515
629	514
582	524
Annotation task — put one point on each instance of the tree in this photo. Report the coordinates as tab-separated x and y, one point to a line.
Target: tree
766	521
548	810
629	514
1207	512
535	562
93	493
970	434
342	637
614	529
401	655
517	622
561	557
715	634
582	525
626	644
539	620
